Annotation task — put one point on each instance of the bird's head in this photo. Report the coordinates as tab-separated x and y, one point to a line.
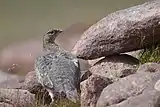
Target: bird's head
51	35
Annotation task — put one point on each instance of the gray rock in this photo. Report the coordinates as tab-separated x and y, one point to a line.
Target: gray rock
136	90
33	86
150	98
149	67
16	98
115	67
122	31
91	89
31	83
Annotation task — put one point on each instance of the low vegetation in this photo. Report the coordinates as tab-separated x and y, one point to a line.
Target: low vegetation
62	103
150	55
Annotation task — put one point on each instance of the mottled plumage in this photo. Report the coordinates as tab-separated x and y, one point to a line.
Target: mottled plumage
57	70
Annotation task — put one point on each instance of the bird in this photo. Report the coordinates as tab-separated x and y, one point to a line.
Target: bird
57	70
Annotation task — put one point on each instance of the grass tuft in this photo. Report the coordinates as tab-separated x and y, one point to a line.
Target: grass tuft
150	55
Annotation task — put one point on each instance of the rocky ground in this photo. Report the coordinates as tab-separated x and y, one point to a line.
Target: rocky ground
112	74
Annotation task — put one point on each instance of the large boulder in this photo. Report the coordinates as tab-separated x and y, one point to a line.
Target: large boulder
115	67
136	90
149	98
16	98
122	31
91	90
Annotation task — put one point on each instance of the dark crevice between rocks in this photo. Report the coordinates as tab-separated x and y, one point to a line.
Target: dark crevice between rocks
121	100
127	72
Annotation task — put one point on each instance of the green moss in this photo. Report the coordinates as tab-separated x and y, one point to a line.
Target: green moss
150	55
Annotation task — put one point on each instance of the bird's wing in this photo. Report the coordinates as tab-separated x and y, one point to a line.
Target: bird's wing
51	67
43	79
43	67
67	78
69	56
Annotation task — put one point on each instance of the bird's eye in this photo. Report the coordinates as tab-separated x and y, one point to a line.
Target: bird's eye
51	32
